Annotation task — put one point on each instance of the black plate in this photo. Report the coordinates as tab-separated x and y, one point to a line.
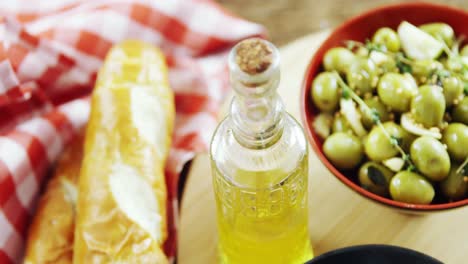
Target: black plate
373	254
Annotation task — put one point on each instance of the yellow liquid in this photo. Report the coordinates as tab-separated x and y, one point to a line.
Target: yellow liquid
263	218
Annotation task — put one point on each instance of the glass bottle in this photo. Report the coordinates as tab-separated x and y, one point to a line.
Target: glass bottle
259	160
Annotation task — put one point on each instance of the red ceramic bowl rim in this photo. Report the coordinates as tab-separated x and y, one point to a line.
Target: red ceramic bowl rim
309	130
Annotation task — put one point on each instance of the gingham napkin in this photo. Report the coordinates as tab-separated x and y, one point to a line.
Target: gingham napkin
50	52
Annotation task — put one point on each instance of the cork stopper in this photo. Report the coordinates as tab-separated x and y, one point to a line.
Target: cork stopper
254	67
253	56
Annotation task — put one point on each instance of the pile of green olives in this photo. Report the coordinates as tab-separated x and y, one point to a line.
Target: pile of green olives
397	114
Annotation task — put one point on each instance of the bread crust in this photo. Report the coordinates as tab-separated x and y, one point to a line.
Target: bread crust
50	237
122	191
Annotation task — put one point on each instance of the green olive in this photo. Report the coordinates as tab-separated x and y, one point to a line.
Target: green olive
428	107
454	187
455	136
377	105
464	74
460	111
453	89
364	139
465	77
362	52
454	64
338	59
378	147
464	51
375	178
341	124
430	157
388	65
325	92
343	150
410	187
362	76
423	69
388	38
396	91
384	63
440	31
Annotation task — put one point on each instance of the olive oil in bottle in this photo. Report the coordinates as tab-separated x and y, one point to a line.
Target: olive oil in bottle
259	160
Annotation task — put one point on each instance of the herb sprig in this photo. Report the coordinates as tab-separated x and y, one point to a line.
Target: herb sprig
405	65
395	142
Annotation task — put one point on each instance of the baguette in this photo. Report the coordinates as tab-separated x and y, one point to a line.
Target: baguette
122	191
50	237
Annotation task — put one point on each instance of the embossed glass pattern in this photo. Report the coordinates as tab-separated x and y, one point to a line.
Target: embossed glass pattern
259	160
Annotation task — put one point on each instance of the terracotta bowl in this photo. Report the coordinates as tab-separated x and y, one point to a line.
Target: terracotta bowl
361	28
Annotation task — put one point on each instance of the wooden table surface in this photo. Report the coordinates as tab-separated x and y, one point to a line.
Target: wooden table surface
338	217
287	20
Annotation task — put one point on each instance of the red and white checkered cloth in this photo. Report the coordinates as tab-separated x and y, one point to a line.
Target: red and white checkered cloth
50	52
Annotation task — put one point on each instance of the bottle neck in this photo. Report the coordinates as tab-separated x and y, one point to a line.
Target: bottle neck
257	122
256	110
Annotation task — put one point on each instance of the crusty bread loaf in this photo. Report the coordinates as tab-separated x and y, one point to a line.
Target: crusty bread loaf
122	193
50	237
